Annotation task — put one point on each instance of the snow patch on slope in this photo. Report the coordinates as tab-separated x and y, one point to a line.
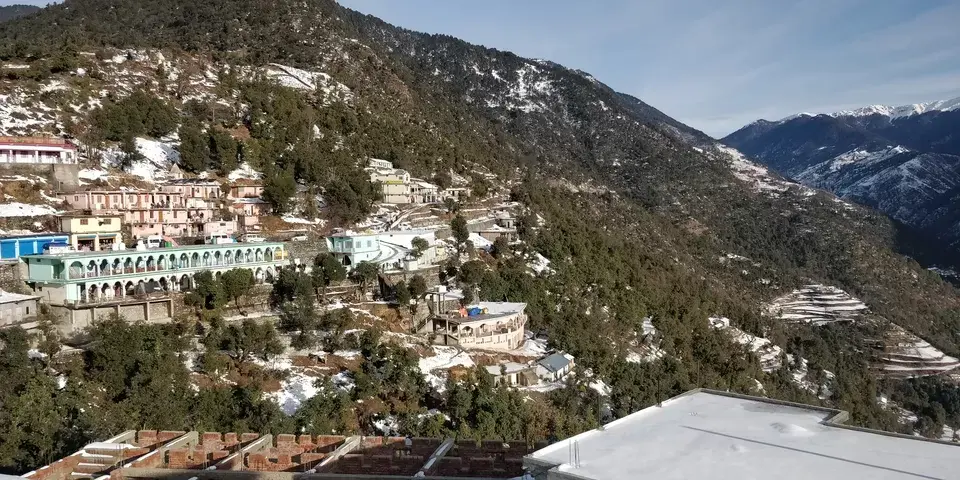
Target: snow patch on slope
157	158
17	209
768	353
307	80
434	368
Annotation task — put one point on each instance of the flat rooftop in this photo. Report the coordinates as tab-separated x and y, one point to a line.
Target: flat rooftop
178	249
713	435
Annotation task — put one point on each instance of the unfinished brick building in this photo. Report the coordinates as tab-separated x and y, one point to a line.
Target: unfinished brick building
147	454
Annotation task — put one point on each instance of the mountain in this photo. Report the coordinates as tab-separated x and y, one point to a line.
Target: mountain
904	161
11	12
643	219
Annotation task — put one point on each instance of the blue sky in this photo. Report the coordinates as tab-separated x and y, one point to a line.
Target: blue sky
718	65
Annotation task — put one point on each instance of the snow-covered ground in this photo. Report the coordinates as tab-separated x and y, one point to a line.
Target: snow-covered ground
435	368
307	80
244	171
768	352
539	264
157	158
17	209
817	304
758	177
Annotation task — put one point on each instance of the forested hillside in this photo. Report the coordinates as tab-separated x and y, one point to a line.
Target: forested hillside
10	12
643	219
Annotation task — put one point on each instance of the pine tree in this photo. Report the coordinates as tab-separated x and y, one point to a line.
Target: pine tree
194	149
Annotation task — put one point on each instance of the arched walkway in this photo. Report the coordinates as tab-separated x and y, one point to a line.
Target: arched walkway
75	271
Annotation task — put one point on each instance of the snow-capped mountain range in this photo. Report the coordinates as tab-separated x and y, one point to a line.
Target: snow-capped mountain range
904	161
889	111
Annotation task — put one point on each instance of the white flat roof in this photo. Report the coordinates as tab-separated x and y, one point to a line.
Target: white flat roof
11	297
709	435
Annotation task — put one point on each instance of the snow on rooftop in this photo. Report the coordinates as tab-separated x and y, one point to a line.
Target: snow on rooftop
710	435
501	308
10	297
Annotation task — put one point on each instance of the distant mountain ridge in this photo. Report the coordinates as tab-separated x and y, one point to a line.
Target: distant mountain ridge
11	12
890	111
904	161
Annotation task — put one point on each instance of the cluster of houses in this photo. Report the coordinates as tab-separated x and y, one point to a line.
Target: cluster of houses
398	187
85	269
176	208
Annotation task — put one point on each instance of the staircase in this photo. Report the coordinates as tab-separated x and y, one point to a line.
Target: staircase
98	459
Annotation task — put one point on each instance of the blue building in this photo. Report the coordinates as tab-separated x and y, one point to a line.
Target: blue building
13	247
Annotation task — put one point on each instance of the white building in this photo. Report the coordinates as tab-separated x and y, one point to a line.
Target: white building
717	435
37	150
485	325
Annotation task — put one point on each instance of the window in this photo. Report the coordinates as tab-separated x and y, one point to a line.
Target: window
84	221
76	198
28	310
107	221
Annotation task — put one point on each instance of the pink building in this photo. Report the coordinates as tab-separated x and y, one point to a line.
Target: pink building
193	188
248	190
251	207
119	200
173	222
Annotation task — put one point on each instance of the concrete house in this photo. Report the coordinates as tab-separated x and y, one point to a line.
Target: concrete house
555	366
485	325
17	309
247	189
512	374
193	188
92	232
12	247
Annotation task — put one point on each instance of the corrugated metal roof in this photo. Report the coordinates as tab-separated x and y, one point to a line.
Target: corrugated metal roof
554	362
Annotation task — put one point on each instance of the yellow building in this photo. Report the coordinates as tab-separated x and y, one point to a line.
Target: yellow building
92	232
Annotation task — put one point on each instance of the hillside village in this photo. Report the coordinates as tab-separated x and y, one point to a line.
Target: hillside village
226	267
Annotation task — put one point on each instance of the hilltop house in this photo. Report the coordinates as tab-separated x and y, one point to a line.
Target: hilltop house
485	325
35	150
554	366
246	189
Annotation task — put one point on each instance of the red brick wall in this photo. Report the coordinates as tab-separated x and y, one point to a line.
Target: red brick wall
58	470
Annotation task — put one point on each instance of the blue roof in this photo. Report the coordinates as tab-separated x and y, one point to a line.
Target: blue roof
32	235
554	362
